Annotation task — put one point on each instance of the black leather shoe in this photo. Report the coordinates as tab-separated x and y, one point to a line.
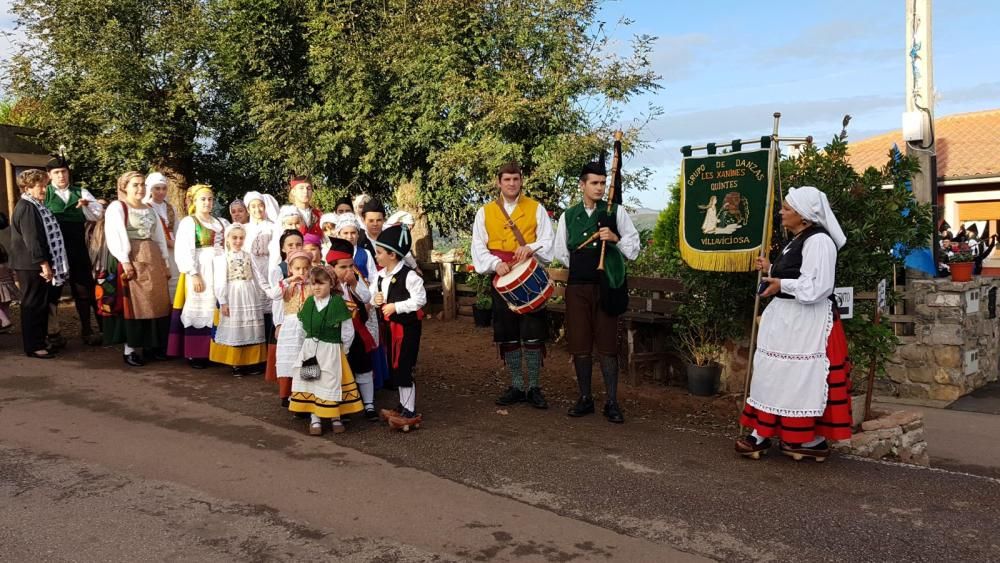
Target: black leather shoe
92	339
256	369
536	399
371	414
583	406
55	342
134	360
198	363
511	396
155	354
613	413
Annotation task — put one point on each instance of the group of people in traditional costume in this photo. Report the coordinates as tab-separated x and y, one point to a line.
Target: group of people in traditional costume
330	306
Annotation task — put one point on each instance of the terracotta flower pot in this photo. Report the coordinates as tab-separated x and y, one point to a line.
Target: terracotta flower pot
961	271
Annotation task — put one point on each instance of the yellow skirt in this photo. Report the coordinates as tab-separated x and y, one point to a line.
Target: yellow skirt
350	401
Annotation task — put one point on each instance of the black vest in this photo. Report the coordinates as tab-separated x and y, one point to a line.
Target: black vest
583	263
788	265
398	292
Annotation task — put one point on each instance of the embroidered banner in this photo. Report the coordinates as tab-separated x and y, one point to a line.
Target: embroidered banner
723	209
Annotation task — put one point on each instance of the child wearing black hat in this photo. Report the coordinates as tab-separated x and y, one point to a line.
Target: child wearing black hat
400	295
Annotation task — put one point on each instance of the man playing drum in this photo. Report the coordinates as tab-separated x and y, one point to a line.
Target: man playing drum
591	319
512	229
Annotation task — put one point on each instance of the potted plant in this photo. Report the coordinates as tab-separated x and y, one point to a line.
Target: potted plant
961	262
702	347
482	308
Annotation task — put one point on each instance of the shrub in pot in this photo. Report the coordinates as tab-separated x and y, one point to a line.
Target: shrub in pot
482	310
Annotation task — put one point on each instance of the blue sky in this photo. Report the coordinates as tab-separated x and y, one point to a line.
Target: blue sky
726	66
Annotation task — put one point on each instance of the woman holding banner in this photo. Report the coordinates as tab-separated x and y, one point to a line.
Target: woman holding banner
799	393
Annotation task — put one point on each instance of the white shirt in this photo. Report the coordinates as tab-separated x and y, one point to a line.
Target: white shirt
628	243
116	233
91	212
185	249
414	284
819	263
484	262
271	286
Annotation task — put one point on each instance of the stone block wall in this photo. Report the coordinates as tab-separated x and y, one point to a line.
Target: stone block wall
895	435
953	350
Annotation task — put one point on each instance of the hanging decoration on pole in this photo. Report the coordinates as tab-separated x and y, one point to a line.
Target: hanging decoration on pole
726	206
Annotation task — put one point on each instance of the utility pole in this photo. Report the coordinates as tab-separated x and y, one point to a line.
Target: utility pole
920	97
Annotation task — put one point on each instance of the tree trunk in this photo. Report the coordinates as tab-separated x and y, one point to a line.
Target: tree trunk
408	199
177	172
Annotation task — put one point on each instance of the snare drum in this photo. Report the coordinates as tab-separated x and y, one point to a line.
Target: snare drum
526	287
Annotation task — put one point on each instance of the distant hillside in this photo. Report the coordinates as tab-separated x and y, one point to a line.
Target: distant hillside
645	218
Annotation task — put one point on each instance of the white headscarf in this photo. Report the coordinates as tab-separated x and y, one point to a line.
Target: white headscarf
346	220
153	179
328	218
257	196
400	218
814	207
287	211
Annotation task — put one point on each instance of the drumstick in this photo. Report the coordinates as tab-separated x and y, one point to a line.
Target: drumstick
588	241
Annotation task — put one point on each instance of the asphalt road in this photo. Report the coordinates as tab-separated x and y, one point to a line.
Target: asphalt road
100	463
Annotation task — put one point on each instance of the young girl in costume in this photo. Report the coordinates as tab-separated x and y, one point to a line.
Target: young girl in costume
259	231
294	291
329	224
401	297
239	337
156	198
366	268
288	219
277	279
348	229
322	382
352	287
139	315
313	244
200	238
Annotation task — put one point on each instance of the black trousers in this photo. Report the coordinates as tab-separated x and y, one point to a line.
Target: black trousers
81	277
35	292
509	326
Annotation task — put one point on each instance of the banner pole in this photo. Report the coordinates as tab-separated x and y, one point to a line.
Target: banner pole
772	157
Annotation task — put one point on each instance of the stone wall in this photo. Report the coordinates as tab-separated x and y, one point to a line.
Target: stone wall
953	350
894	435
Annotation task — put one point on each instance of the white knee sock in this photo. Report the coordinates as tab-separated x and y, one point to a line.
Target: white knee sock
811	443
408	398
129	349
313	419
366	384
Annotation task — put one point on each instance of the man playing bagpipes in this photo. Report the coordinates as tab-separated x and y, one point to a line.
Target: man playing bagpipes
593	239
507	232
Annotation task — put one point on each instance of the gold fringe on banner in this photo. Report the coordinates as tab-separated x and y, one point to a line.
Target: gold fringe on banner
725	261
719	261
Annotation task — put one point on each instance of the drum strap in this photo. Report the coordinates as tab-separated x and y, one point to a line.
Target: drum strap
510	223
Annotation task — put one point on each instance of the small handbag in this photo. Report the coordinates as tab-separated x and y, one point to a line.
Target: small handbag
310	370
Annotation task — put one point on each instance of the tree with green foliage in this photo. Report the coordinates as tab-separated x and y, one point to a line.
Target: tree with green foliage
360	95
118	83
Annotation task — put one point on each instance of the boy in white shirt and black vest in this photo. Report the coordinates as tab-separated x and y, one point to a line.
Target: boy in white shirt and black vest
399	293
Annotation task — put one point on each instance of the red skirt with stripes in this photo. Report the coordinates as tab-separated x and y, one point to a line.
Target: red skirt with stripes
835	424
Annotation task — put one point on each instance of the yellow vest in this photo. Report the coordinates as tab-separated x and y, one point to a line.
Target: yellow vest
501	237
